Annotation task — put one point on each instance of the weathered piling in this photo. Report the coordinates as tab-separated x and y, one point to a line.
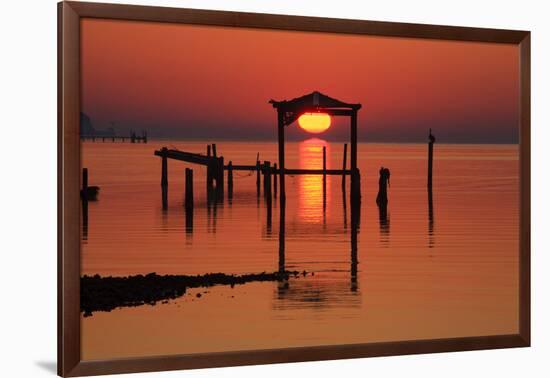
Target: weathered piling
281	141
164	190
269	216
164	174
275	180
214	150
267	179
344	163
383	181
84	203
230	180
210	169
219	178
188	189
85	184
431	142
258	178
268	185
355	192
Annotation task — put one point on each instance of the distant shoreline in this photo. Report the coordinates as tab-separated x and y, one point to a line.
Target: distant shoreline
214	140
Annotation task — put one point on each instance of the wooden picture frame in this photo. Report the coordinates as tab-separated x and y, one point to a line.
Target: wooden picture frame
69	16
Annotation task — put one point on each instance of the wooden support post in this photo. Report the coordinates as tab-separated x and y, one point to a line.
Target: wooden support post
85	183
281	140
188	189
382	197
355	192
210	169
430	158
164	178
164	190
274	180
258	178
265	168
230	180
84	203
214	150
344	165
267	180
220	184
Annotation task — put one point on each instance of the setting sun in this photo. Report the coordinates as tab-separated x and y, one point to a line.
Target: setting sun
314	122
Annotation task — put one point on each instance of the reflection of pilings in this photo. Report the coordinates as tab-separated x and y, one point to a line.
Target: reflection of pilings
84	219
430	219
212	215
282	210
164	190
384	222
324	183
189	221
355	217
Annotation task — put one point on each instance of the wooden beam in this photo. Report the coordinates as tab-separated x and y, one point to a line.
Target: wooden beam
184	156
330	172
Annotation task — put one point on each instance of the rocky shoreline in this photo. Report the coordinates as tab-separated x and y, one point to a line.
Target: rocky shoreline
107	293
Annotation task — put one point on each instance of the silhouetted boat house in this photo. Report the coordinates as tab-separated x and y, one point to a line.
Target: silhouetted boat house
289	111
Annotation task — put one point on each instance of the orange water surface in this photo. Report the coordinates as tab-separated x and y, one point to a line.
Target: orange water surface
449	270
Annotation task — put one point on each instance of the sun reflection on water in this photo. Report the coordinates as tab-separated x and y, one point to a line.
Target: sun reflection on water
312	208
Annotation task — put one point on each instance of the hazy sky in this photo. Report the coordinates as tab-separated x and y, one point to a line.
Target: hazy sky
214	82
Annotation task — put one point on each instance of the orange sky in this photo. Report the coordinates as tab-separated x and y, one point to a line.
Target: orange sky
201	82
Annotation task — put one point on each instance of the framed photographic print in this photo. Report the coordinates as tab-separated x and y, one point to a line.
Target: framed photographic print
240	188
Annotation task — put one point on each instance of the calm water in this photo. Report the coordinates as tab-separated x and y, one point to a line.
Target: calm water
452	274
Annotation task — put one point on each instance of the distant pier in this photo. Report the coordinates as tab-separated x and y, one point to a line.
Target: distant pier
132	138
